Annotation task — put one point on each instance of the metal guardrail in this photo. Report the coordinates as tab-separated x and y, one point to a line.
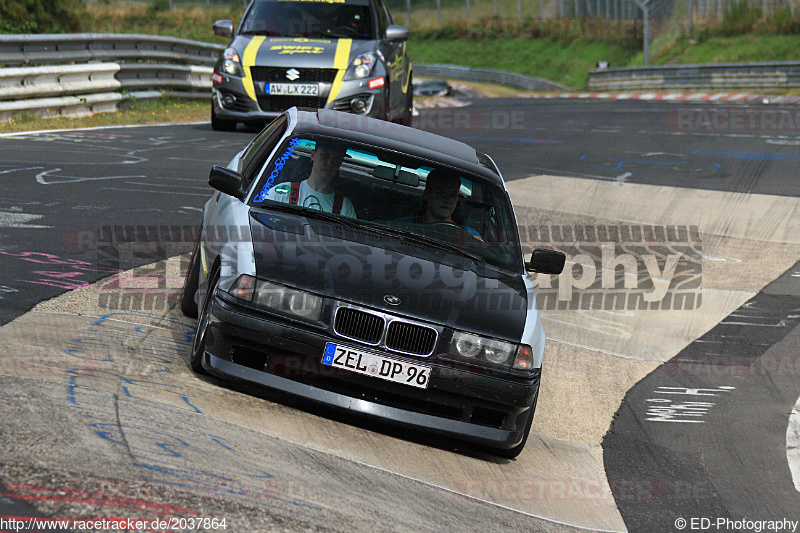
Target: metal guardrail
20	83
783	75
137	64
24	49
134	76
487	75
101	71
142	63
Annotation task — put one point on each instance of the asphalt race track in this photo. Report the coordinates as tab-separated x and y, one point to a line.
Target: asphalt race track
671	392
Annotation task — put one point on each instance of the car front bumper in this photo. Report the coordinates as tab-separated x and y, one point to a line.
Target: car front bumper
459	402
266	107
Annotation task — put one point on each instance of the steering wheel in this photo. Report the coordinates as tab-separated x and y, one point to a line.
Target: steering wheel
346	29
462	230
452	224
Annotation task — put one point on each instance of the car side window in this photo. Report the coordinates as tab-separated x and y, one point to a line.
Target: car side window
388	13
383	18
260	148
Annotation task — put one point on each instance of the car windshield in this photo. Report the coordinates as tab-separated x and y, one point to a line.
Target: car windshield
443	209
309	19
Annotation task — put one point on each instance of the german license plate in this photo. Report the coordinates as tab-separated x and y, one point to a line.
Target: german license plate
298	89
377	366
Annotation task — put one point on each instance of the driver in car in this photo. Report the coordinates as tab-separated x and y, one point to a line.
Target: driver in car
317	191
441	200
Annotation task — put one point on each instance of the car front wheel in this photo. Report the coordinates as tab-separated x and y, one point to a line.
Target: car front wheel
199	345
219	124
188	304
408	112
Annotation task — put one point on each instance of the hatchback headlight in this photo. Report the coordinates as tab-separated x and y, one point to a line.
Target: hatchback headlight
361	67
493	351
231	63
280	298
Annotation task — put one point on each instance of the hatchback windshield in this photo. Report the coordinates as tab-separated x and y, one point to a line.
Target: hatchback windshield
309	19
442	208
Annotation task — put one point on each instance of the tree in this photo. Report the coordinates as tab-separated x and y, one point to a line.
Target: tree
39	16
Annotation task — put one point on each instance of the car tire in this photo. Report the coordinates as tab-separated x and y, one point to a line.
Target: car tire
219	124
188	303
511	453
199	344
408	112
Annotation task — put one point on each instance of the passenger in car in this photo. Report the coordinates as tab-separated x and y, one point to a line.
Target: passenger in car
441	199
317	191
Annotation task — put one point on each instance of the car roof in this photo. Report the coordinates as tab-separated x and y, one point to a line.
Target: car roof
382	134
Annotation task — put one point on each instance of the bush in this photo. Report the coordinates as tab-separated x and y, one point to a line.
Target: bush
780	22
739	18
157	6
39	16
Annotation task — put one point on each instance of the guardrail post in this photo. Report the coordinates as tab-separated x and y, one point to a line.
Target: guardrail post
646	14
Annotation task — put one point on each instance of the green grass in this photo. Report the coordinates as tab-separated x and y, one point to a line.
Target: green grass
565	62
185	22
162	111
568	62
743	48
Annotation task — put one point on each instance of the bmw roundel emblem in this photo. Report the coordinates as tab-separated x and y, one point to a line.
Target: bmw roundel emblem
391	299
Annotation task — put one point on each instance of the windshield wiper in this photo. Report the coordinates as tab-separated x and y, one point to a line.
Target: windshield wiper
313	213
373	228
260	32
315	33
422	239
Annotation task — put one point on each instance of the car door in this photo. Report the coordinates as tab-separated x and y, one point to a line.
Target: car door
396	56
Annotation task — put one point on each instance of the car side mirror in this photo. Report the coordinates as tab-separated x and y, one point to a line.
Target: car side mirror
546	262
227	181
396	33
224	28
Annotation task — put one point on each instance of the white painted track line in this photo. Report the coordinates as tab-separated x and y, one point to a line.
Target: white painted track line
793	444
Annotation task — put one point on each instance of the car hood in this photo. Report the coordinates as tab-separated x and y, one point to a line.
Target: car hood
298	51
363	268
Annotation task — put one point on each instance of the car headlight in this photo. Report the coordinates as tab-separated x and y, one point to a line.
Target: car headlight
231	64
494	351
466	344
361	67
280	298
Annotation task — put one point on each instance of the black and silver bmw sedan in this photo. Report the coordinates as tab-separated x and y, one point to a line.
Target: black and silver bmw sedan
346	55
372	267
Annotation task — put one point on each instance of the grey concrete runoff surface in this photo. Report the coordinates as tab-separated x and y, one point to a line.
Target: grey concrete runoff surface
102	417
117	382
